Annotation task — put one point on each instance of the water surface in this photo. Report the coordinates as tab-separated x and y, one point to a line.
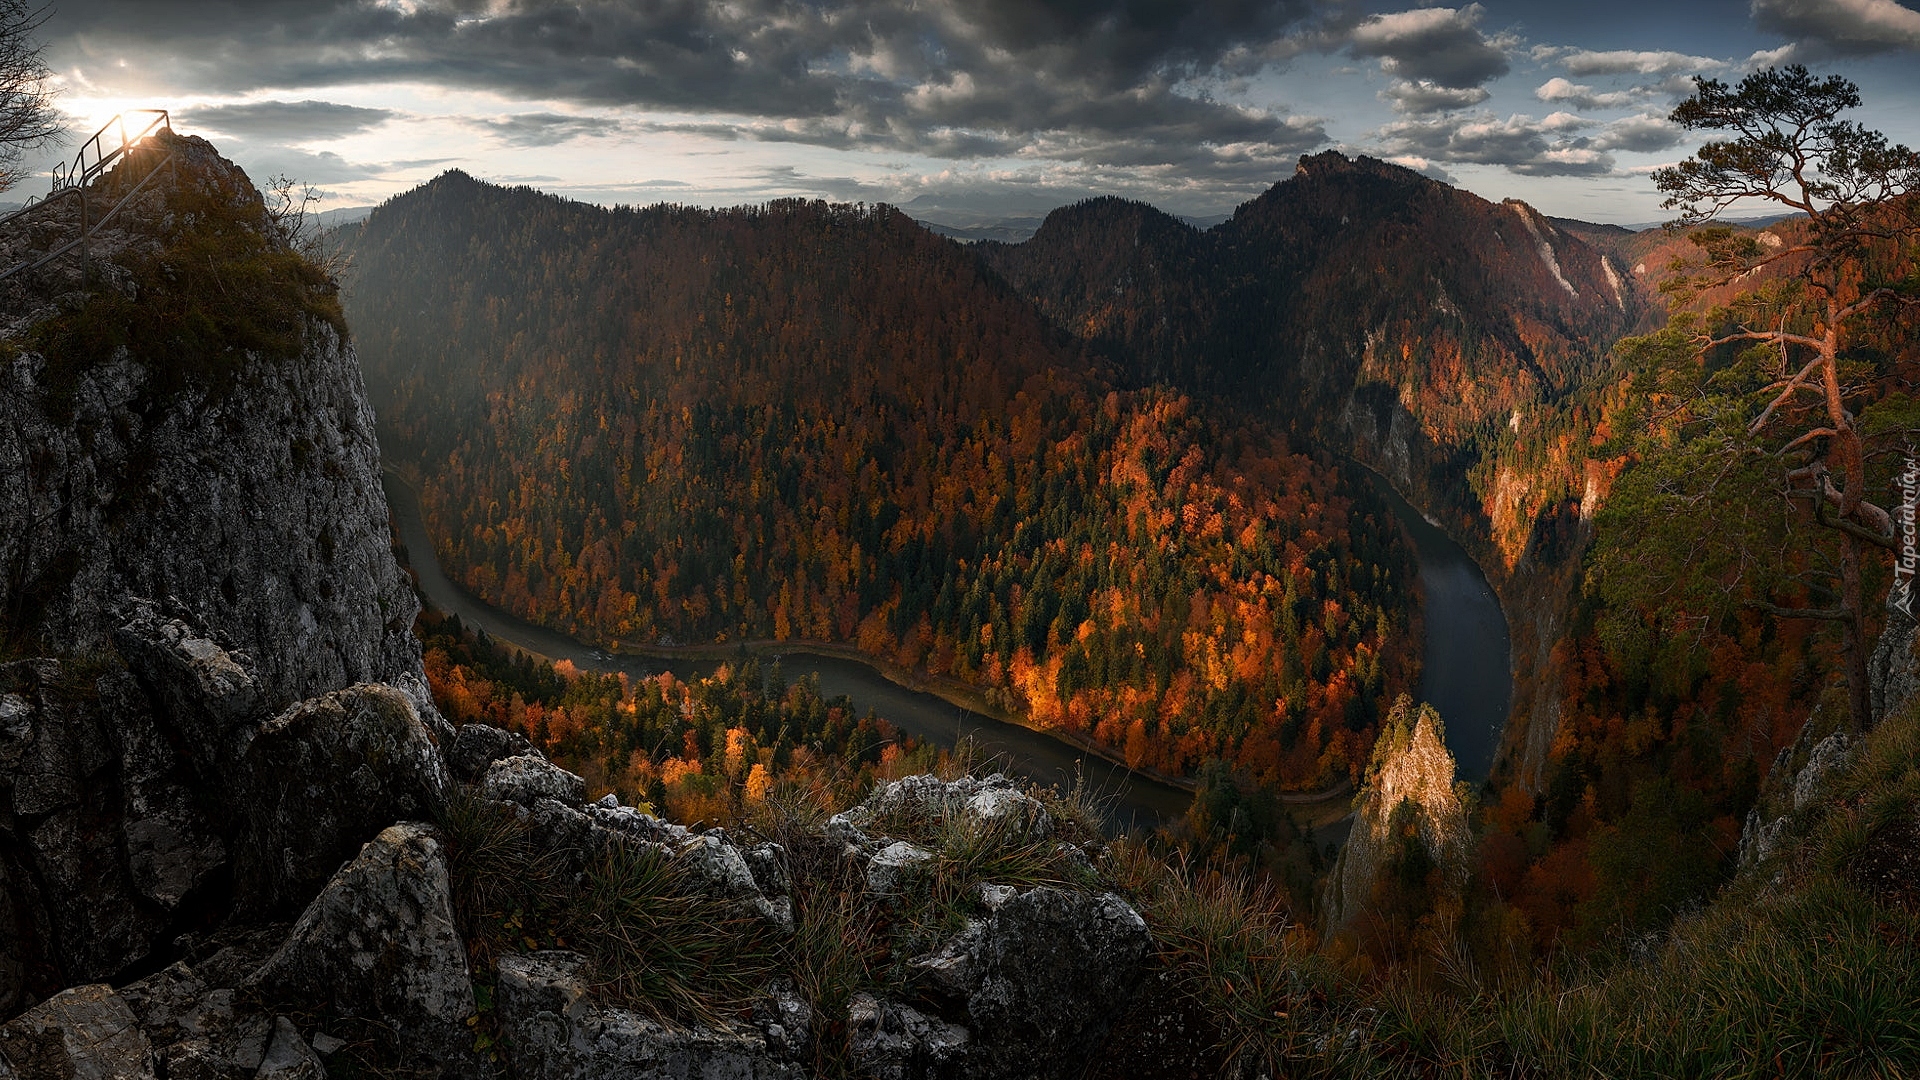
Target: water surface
1467	670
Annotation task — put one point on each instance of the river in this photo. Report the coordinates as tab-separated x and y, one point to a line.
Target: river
1467	667
1129	798
1465	675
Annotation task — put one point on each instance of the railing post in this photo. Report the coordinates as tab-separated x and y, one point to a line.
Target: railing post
86	270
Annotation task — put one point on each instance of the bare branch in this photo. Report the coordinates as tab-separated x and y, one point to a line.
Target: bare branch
1796	383
1828	614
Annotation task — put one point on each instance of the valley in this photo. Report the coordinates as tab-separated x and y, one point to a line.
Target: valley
1133	800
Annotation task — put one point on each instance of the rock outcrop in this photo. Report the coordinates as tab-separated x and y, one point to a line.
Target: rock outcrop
379	941
1893	671
86	1033
1795	790
320	778
250	496
557	1032
190	543
1408	807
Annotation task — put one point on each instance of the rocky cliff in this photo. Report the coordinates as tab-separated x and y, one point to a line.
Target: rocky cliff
235	485
240	484
1408	851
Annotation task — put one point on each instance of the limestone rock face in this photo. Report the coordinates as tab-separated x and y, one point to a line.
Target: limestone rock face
555	1032
86	1033
379	941
1893	671
256	506
104	833
247	489
1796	786
240	496
323	778
1410	778
1043	973
888	1040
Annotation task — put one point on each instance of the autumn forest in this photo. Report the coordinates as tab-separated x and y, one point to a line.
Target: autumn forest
1113	480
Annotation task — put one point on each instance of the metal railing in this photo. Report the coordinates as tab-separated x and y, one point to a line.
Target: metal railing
71	180
81	172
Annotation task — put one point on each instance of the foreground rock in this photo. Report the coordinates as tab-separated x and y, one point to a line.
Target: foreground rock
888	1040
323	778
555	1032
86	1033
106	835
1039	978
995	802
380	943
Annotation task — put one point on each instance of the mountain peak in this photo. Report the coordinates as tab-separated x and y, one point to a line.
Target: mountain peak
1333	163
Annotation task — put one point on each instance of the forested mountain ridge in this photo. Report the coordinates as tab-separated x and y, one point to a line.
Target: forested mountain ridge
1356	299
812	422
1458	346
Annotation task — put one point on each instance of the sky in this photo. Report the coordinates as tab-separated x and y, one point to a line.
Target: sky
958	111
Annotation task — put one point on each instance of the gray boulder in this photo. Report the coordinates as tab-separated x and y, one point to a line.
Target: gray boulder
556	1032
887	1040
476	746
895	867
86	1033
528	778
379	942
994	801
1046	971
323	778
289	1057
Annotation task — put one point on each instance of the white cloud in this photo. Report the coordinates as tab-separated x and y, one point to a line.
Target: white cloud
1584	97
1636	62
1522	144
1426	97
1642	134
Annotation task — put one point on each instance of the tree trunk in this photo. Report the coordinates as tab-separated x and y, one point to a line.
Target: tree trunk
1859	700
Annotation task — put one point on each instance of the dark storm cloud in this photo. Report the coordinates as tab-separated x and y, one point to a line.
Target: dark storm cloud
285	121
1823	28
1443	46
1098	80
